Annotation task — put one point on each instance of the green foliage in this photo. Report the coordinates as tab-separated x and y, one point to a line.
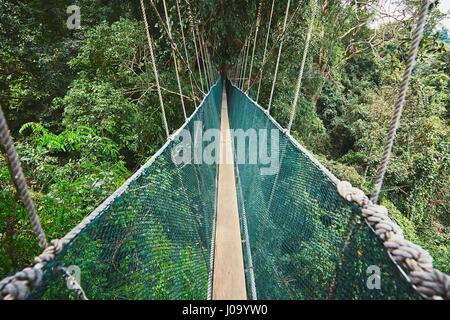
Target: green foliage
83	109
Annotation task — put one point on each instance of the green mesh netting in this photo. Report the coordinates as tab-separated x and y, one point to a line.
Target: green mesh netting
154	240
306	241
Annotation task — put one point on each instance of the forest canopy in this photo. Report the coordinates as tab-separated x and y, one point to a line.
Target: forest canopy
83	110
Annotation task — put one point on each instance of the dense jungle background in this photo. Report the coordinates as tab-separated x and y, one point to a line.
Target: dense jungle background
83	109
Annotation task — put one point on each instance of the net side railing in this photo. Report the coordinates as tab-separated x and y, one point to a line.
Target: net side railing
153	241
306	241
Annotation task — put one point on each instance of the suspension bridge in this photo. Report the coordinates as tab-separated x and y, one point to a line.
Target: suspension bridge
224	230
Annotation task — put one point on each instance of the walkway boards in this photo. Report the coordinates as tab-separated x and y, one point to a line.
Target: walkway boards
229	277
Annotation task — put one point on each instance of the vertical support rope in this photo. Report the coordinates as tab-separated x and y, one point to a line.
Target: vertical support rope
213	75
279	56
258	21
237	72
242	64
265	49
202	56
20	183
186	52
401	97
192	27
302	66
155	70
174	57
208	63
245	60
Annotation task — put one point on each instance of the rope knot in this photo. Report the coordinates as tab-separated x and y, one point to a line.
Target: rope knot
434	284
352	194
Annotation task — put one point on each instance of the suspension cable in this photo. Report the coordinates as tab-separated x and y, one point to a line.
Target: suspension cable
280	37
401	98
186	52
192	27
265	48
155	70
246	59
279	56
172	42
18	178
302	66
241	62
258	21
208	62
237	67
202	55
174	57
210	65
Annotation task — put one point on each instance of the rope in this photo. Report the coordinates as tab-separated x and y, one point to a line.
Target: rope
20	183
258	21
302	66
247	51
400	102
155	70
208	63
279	38
265	49
186	52
192	27
241	65
429	282
172	42
237	72
174	57
241	72
279	56
202	56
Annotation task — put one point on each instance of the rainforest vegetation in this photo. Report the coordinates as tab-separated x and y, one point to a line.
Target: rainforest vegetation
84	113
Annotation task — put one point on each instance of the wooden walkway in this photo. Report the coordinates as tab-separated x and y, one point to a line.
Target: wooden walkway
228	277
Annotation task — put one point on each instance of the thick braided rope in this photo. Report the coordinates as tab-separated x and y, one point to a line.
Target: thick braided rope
19	285
16	172
431	283
258	21
155	69
265	49
302	66
279	56
400	102
174	57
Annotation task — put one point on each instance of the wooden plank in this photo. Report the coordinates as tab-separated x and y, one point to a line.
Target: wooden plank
229	277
